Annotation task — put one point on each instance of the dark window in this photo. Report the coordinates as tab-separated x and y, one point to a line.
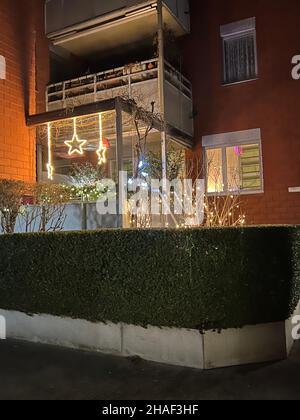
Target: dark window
240	58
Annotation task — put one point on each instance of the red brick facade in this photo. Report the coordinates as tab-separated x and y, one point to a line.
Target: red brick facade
271	103
24	47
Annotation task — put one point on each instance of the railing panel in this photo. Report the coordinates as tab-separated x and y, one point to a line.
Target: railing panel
138	81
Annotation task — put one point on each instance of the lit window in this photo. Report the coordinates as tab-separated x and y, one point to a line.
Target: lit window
233	169
2	68
239	51
214	170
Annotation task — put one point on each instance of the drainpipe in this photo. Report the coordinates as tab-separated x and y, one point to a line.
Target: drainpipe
161	88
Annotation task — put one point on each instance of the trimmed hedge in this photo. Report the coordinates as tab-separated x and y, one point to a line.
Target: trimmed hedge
200	278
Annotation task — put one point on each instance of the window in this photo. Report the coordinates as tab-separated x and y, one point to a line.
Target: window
239	51
2	68
233	162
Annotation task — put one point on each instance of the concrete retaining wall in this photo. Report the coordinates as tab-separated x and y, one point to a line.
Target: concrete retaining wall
181	347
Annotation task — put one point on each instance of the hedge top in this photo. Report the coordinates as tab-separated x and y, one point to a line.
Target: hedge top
195	278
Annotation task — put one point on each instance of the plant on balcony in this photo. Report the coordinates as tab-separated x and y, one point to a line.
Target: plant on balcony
86	174
143	122
85	179
175	164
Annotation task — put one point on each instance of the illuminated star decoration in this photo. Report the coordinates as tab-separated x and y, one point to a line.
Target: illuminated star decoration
101	152
50	168
75	145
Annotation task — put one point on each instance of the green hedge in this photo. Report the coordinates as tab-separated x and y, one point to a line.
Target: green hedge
201	278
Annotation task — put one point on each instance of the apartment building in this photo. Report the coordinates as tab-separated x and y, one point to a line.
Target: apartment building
23	51
218	71
105	54
246	103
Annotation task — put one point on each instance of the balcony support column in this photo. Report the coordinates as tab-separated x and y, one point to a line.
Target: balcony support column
161	87
120	167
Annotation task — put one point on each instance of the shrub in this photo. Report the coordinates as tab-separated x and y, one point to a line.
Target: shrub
48	212
198	278
11	197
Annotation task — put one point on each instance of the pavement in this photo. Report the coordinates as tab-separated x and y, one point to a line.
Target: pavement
41	372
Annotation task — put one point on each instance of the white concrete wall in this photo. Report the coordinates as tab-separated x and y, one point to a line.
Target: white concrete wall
167	345
181	347
289	327
73	221
253	344
73	333
171	346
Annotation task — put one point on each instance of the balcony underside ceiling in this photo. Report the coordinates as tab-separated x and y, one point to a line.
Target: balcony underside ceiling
122	34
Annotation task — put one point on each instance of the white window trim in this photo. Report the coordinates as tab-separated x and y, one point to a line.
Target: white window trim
294	190
2	68
237	30
235	138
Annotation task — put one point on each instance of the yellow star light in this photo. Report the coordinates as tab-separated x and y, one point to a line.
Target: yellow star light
75	145
101	152
50	171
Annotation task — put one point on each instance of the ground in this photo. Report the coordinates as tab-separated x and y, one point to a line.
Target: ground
35	371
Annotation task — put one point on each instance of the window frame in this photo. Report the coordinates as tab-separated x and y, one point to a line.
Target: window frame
2	67
223	145
238	30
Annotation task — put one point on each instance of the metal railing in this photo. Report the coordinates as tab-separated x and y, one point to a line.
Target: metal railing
121	77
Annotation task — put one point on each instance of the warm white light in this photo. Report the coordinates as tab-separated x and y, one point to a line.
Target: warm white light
50	168
75	145
101	152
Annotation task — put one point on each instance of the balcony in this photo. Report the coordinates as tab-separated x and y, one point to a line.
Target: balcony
87	27
138	81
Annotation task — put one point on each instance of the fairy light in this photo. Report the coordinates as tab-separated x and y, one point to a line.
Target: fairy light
50	168
75	145
101	152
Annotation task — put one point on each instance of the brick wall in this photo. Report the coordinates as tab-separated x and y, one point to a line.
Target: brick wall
25	48
271	103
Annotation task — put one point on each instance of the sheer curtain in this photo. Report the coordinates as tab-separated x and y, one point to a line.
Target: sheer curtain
240	58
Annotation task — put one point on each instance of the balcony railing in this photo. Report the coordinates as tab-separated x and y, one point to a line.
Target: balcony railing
69	92
138	81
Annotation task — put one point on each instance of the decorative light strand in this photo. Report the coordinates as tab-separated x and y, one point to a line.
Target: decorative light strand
101	152
50	168
75	145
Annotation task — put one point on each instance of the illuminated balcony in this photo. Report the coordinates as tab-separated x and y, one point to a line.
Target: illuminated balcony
138	81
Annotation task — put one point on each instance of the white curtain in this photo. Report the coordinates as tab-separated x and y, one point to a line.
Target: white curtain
240	59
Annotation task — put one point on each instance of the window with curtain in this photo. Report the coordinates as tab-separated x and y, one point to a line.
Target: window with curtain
239	51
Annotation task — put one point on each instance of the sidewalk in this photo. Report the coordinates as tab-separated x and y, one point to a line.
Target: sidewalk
34	371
